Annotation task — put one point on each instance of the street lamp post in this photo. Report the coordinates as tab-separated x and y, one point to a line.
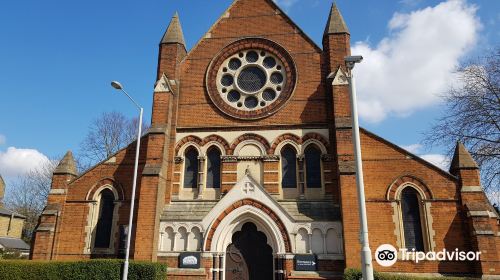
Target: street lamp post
366	254
118	86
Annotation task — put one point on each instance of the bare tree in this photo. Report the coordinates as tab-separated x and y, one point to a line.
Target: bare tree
107	134
472	116
29	193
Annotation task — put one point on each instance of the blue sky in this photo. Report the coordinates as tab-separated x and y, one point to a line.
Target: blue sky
57	59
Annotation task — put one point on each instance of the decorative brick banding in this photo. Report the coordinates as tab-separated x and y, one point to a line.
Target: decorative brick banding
316	136
251	136
288	136
407	179
187	139
255	204
218	139
103	182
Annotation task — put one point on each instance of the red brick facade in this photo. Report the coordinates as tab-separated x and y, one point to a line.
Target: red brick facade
455	212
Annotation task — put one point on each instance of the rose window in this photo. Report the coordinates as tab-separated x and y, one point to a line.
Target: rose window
251	79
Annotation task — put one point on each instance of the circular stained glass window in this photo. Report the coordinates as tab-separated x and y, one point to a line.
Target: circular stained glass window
251	79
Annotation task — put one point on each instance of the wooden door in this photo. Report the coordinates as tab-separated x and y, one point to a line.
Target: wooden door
249	257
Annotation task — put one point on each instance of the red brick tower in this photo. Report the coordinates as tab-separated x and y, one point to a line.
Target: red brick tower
336	46
44	240
481	217
156	175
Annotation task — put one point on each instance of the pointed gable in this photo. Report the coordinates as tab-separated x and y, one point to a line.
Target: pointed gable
258	24
255	18
174	32
336	23
67	165
462	158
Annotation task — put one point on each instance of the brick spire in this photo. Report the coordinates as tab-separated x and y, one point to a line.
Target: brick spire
336	23
174	34
462	159
67	165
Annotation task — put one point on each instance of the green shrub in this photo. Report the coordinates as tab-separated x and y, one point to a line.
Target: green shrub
355	274
352	274
80	270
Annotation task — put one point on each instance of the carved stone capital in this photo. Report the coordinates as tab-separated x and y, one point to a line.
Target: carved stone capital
178	160
347	167
229	158
271	158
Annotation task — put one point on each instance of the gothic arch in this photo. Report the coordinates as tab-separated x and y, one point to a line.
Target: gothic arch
108	183
217	140
186	141
316	137
253	137
394	189
283	139
245	210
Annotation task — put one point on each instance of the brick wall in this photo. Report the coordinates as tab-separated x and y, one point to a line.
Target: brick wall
314	104
11	227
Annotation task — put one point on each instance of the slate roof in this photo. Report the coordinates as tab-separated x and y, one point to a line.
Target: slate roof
67	165
7	212
336	23
462	158
14	243
174	32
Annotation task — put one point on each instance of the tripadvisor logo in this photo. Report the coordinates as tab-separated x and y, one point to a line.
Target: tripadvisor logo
387	255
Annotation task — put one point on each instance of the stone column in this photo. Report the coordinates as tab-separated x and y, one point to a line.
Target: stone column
201	176
302	183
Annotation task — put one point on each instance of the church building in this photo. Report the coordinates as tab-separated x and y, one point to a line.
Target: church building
247	170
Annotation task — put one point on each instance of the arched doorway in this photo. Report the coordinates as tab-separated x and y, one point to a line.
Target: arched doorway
249	257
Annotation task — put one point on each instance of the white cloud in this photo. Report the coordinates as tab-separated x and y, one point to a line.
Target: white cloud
15	162
413	148
438	160
286	4
411	67
3	139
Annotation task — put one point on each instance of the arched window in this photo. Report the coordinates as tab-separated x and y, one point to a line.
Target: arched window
105	219
195	240
213	167
181	239
169	240
410	208
302	242
191	168
288	167
317	241
332	242
313	166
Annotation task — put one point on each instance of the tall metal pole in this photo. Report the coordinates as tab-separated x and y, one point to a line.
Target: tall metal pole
366	254
132	202
118	86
